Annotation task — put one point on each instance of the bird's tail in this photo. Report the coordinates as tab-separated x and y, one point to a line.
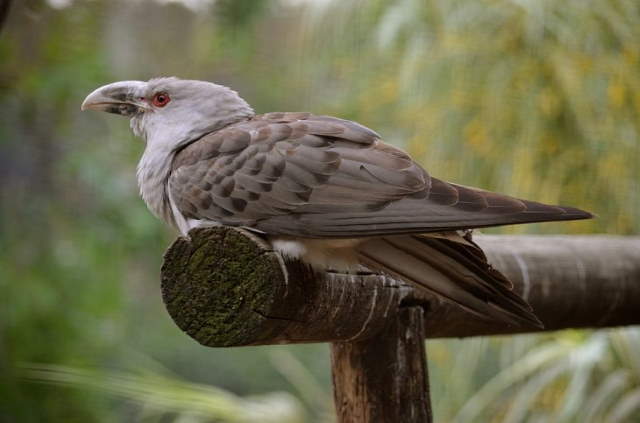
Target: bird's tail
453	267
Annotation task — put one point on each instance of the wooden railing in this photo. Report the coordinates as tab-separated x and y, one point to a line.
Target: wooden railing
225	287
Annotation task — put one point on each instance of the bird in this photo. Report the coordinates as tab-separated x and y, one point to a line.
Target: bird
327	191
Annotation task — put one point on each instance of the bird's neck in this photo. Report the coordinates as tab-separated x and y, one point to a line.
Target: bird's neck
162	142
153	173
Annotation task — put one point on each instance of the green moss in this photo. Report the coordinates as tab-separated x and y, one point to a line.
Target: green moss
214	283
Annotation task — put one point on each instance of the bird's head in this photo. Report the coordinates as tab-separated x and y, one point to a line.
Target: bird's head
170	112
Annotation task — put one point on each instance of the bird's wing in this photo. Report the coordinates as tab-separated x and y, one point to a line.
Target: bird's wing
321	177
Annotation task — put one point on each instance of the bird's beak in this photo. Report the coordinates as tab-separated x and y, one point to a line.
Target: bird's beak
125	98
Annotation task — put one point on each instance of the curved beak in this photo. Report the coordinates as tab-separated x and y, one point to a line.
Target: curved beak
124	98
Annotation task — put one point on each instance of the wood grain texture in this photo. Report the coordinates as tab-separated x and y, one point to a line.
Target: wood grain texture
384	378
225	287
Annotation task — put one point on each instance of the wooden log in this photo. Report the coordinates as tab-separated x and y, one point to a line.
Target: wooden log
225	287
384	378
570	281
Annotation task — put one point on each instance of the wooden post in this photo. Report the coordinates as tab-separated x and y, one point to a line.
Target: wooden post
384	378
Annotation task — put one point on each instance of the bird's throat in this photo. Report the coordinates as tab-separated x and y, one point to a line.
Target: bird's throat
153	174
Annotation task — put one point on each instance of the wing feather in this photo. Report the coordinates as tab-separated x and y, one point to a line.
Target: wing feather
317	176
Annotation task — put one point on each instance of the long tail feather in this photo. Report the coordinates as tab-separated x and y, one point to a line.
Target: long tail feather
451	267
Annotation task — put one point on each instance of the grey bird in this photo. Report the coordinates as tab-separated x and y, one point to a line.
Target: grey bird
324	190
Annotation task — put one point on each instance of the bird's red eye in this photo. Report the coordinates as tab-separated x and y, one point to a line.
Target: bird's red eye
161	99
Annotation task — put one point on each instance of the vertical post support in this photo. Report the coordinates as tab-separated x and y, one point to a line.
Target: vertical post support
384	378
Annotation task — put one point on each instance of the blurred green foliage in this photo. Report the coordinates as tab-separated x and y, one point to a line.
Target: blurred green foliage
538	99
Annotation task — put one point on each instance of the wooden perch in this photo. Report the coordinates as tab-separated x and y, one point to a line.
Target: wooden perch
225	287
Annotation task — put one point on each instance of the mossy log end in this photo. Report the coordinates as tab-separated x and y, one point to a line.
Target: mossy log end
226	287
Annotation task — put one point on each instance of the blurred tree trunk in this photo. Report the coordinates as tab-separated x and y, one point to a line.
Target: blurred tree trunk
4	11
